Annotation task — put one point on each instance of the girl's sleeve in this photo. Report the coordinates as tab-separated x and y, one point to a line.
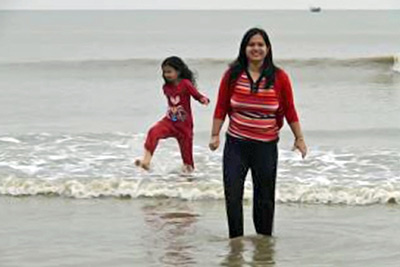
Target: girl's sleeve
193	91
165	92
288	99
223	101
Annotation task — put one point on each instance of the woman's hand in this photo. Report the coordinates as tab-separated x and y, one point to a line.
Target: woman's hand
205	101
300	144
214	142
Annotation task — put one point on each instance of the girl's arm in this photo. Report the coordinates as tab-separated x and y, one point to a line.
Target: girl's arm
195	93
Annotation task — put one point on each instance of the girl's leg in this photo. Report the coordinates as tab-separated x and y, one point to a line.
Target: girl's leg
145	161
235	168
185	142
263	167
161	130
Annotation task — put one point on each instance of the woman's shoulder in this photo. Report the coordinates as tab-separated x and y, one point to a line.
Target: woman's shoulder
281	74
227	75
228	71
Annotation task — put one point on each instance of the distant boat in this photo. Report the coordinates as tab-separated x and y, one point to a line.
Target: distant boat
315	9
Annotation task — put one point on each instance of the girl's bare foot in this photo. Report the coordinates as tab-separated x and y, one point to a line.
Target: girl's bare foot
187	169
141	164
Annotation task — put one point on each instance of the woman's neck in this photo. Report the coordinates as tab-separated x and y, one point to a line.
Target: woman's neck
255	66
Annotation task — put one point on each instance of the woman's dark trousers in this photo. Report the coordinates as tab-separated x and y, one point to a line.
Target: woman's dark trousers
261	158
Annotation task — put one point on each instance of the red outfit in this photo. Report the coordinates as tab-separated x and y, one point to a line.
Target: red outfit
256	116
178	121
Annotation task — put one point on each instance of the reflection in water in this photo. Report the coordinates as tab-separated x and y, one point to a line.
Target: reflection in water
235	255
262	252
171	223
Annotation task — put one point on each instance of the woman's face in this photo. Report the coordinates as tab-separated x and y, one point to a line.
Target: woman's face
256	49
170	73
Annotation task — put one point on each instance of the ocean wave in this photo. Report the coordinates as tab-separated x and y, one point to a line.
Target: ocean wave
193	189
101	165
396	63
392	60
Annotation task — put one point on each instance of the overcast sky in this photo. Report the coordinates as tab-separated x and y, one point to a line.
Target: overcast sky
198	4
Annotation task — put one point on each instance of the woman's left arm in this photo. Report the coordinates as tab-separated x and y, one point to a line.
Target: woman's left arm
292	117
299	142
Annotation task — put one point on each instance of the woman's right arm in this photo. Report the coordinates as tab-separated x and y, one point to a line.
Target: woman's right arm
221	109
216	128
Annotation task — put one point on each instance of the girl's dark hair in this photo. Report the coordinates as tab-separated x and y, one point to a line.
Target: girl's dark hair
183	70
241	62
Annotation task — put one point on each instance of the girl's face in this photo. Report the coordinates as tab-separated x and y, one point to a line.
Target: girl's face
170	74
256	49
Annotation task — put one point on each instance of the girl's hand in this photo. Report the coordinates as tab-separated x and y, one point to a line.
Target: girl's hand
214	142
205	101
300	145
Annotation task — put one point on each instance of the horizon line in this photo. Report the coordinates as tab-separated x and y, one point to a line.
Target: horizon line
197	9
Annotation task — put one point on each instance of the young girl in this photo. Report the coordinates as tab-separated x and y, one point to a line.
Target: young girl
178	122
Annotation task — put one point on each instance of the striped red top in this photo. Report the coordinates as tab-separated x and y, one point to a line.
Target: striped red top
256	116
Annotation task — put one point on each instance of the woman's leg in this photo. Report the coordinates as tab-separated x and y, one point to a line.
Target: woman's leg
263	167
235	168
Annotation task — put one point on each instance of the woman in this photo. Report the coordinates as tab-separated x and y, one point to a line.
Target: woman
256	95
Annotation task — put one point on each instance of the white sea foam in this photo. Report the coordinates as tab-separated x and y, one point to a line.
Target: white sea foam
287	192
396	63
10	140
101	165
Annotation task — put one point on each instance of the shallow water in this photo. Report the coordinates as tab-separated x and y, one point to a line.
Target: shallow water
160	232
78	91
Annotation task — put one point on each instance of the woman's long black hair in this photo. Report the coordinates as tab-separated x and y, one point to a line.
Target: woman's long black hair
241	63
183	70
